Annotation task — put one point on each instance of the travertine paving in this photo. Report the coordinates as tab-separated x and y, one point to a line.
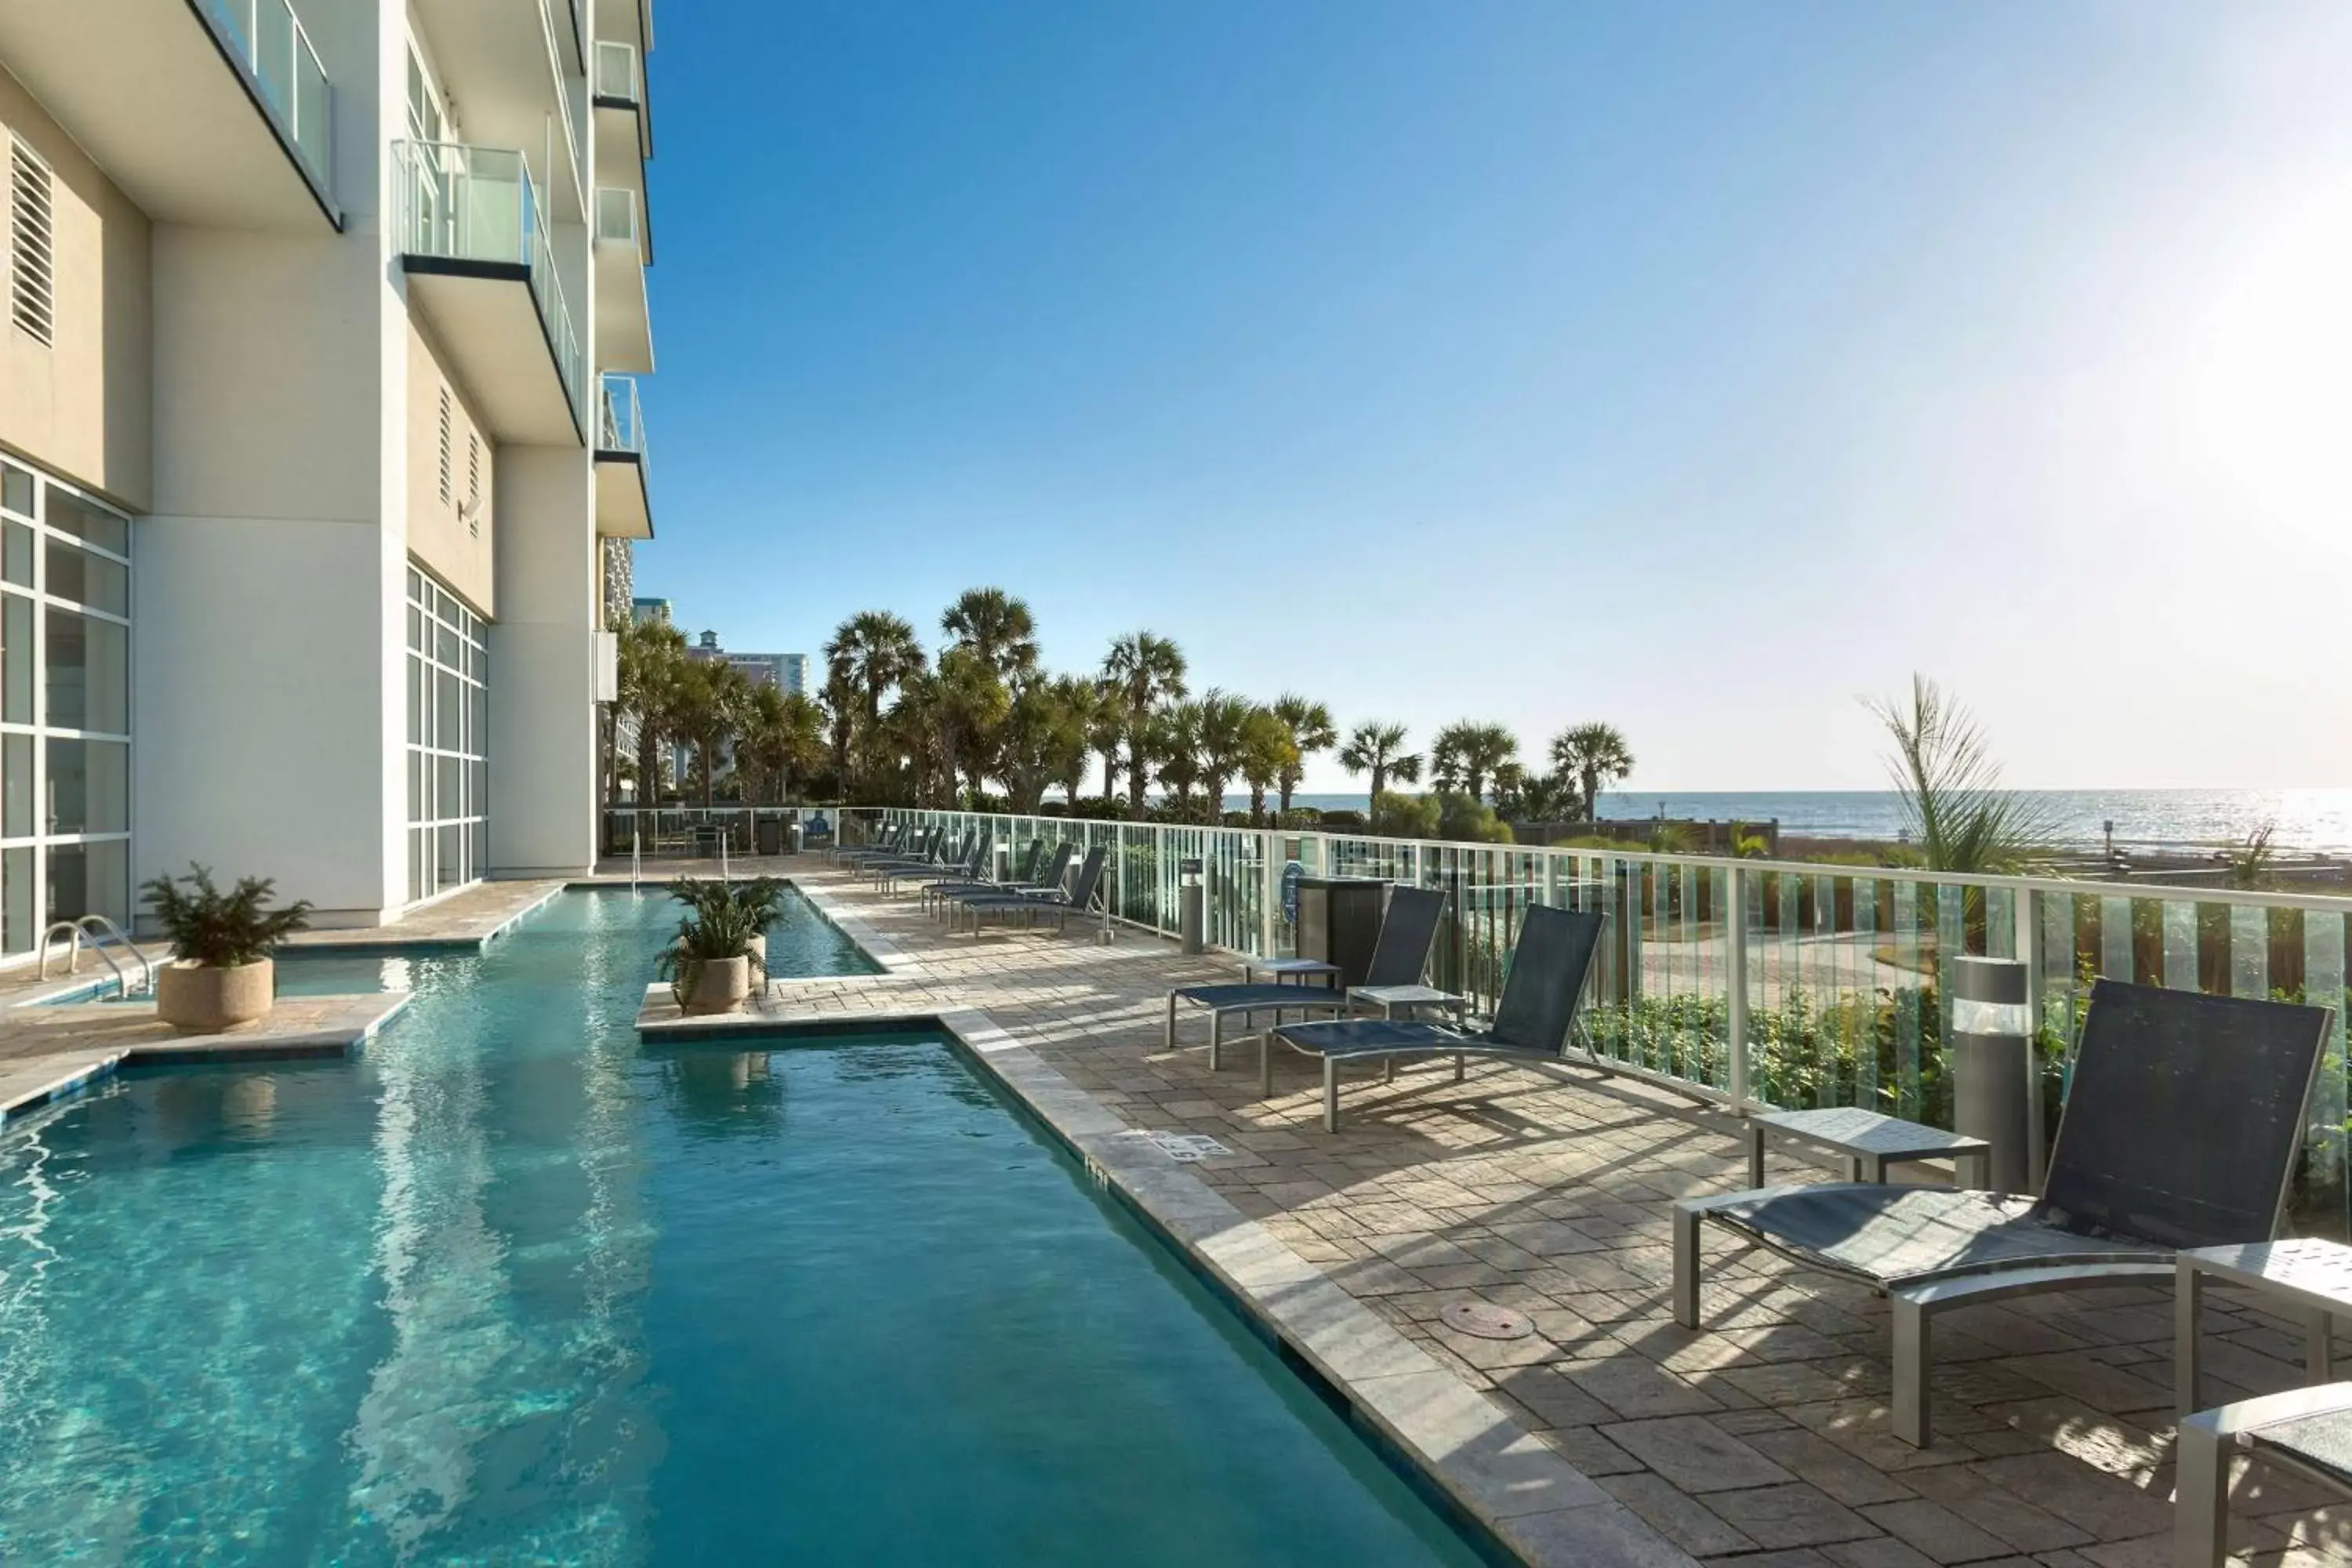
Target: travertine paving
465	919
1762	1440
46	1051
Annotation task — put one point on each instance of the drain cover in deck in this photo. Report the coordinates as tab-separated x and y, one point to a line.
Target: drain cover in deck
1486	1321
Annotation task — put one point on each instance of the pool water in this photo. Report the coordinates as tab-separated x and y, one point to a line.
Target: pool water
513	1287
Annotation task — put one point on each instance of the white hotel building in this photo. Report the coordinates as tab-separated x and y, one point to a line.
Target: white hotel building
317	325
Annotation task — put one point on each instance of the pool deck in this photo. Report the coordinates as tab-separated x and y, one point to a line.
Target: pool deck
47	1053
463	922
1610	1434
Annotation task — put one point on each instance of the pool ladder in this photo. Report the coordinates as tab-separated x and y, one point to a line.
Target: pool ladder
105	937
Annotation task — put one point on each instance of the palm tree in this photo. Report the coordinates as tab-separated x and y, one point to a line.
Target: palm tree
783	741
1225	727
871	653
1146	670
1943	768
1077	700
651	655
1596	756
709	699
1269	754
997	627
1311	731
1467	755
972	703
1105	718
1377	749
1171	743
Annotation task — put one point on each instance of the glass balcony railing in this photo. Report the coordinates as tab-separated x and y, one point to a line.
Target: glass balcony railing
481	203
620	428
267	39
616	72
616	216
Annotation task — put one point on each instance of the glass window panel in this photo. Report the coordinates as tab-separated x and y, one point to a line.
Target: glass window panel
18	552
15	490
16	787
449	871
415	864
17	927
416	787
448	800
68	513
89	674
89	786
481	831
75	574
89	879
416	702
445	647
448	726
16	662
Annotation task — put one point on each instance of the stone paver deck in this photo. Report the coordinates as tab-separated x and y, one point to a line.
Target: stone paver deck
459	922
1762	1440
46	1052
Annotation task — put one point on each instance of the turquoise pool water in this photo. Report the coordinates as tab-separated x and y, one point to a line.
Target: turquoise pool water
513	1289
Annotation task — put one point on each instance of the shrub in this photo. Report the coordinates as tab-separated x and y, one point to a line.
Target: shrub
222	931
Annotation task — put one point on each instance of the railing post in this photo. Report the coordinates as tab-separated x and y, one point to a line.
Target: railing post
1269	890
2028	952
1735	974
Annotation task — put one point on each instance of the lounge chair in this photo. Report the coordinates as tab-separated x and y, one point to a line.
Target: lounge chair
2180	1131
897	843
964	868
2305	1430
937	859
1031	908
1399	956
1056	873
932	892
1534	1017
885	843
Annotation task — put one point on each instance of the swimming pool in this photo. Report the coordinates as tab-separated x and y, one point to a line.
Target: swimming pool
513	1287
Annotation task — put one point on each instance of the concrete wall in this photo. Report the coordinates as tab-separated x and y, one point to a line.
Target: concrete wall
80	408
455	549
542	723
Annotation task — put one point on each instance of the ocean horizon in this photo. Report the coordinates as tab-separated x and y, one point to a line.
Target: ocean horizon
2308	819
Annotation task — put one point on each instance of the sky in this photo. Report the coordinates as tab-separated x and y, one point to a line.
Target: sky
1702	368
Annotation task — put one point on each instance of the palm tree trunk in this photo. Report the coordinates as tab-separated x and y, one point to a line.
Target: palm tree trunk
1257	806
703	748
1379	780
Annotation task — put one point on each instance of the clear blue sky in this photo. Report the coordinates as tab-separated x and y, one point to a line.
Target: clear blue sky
1694	366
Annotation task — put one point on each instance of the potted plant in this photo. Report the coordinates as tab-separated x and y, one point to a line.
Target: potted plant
222	975
708	962
760	899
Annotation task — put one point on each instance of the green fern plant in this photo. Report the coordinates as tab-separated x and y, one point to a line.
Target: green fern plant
222	931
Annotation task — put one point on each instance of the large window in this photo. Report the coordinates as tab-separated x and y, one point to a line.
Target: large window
449	776
65	708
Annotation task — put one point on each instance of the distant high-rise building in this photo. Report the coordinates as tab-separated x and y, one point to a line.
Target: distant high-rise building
787	673
643	610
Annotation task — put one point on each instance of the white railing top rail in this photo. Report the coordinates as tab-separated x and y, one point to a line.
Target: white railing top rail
2331	903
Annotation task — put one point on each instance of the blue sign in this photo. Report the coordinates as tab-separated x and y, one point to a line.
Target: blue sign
1291	875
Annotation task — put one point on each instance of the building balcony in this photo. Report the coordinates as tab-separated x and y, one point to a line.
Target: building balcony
623	329
624	503
216	113
499	60
625	127
630	21
471	230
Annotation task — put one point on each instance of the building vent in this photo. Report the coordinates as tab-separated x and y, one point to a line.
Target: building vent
444	446
474	483
32	249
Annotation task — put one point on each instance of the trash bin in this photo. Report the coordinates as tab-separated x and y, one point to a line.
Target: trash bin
1991	1062
795	836
1192	908
769	834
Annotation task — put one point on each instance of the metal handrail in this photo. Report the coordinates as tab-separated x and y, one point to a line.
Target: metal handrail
101	931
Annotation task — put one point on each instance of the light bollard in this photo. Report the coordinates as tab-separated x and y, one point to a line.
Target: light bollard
1992	1062
1191	907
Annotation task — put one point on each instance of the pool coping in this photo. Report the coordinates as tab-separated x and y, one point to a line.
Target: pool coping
386	942
339	1039
1510	1493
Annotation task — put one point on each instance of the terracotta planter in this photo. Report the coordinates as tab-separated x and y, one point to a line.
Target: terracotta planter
197	999
714	985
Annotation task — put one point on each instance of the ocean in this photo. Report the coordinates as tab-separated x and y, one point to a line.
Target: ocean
2314	819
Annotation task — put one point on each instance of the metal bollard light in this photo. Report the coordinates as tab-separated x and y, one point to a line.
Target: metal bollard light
1192	908
1992	1062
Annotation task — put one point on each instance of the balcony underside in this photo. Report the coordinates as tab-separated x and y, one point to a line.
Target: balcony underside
624	508
488	326
149	92
624	339
497	64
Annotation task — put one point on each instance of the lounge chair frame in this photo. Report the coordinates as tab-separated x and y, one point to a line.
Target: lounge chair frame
1916	1302
2200	1508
